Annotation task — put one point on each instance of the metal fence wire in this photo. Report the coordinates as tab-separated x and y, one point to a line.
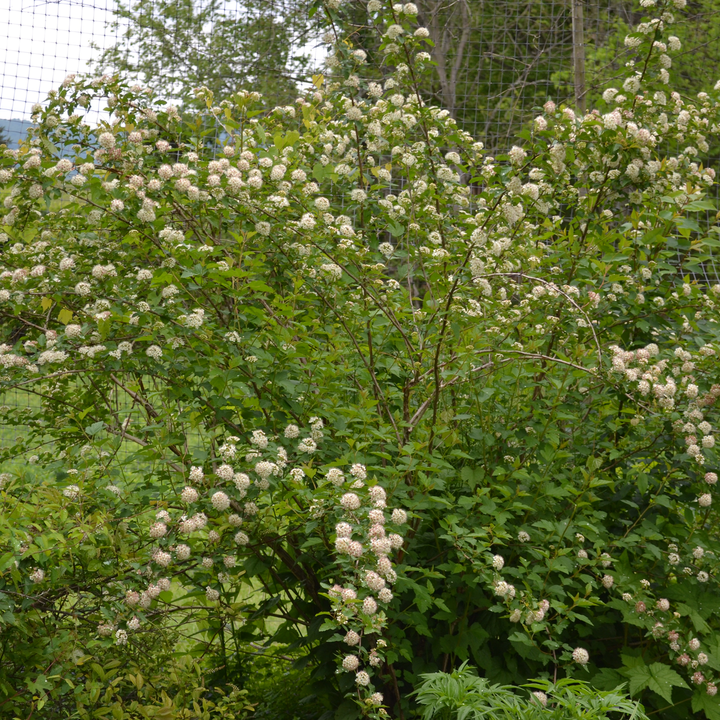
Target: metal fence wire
496	60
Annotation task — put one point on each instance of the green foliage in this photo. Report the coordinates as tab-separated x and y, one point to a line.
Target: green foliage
280	690
462	695
657	677
301	390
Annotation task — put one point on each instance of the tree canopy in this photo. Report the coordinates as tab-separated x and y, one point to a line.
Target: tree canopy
173	46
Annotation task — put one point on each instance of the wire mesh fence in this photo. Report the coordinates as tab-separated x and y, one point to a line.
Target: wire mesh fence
40	43
494	61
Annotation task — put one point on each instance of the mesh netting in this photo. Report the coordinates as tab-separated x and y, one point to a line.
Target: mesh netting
41	43
495	61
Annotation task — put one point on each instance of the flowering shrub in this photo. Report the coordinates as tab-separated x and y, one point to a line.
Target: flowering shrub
334	378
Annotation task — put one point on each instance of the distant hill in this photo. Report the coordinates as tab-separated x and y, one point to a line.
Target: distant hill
15	130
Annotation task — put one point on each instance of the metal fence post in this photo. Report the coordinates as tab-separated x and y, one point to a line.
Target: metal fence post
578	35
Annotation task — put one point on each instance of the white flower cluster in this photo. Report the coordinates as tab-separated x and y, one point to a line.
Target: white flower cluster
666	379
365	519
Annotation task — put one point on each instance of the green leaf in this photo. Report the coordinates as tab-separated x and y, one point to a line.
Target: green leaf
524	646
104	327
607	679
657	677
485	394
687	224
423	599
95	428
713	652
701	701
49	146
319	172
697	620
259	286
700	205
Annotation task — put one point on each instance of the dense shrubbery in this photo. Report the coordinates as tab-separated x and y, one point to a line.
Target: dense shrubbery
335	384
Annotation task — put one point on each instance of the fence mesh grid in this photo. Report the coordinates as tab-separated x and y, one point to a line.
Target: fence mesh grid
40	43
495	61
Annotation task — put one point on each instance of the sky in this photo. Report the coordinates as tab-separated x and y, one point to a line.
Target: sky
41	42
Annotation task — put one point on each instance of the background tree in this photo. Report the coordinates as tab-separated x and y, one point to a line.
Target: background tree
495	61
173	46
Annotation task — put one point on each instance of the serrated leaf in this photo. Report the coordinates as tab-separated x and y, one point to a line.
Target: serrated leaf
632	661
698	622
607	679
46	303
713	652
709	705
656	677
